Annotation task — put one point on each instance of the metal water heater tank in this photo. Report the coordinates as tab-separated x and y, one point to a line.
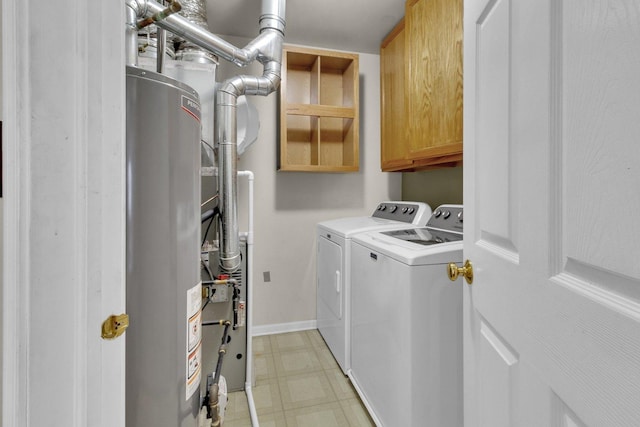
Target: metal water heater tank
163	347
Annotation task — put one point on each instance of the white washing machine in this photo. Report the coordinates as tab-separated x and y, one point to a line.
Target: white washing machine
333	258
406	324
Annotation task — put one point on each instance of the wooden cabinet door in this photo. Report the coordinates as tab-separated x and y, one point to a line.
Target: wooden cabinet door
434	79
394	148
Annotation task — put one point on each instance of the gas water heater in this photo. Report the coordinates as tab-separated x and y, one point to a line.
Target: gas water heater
164	293
164	344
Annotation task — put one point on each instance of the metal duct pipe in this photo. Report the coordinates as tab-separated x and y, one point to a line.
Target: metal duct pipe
201	37
173	7
274	12
194	11
131	36
269	47
266	48
226	139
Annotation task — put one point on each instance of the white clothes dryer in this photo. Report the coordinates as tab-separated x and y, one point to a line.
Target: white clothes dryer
333	260
406	324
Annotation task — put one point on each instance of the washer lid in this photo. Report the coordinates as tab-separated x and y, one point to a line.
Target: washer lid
424	236
408	252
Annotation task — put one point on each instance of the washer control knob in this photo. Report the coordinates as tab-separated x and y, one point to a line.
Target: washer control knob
404	210
446	214
411	210
437	213
460	216
393	208
382	207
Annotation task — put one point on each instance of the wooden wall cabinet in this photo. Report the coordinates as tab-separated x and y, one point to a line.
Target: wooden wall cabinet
394	147
432	80
319	109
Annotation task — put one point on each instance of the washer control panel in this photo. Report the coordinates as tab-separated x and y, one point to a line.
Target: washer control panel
399	211
447	217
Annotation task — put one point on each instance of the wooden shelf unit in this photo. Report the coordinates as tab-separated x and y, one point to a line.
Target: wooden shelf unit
319	106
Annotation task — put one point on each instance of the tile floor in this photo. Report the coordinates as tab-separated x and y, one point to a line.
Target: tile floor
298	384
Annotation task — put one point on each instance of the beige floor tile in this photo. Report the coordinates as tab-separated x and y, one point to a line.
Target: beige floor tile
326	358
315	338
356	414
325	415
237	406
299	391
295	362
341	385
261	345
245	422
276	419
266	397
311	396
264	367
289	341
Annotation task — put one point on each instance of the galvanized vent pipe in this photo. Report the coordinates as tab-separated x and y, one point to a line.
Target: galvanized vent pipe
131	35
267	49
270	55
194	11
272	16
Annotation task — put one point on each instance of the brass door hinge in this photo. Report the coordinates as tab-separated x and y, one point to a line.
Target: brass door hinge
115	326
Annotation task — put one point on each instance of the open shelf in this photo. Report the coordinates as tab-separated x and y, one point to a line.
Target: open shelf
319	126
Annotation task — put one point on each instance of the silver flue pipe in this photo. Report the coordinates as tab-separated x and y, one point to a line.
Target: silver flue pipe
197	35
267	49
131	35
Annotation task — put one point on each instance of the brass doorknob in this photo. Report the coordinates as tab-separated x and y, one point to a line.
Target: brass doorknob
465	271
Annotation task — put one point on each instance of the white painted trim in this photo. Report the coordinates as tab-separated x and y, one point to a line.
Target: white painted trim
281	328
16	193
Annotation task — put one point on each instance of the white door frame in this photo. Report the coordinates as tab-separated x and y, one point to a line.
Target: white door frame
64	222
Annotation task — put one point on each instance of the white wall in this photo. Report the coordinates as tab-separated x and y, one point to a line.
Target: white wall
435	187
290	204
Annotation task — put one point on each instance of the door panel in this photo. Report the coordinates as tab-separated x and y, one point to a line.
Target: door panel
493	173
562	415
599	99
496	382
552	320
596	102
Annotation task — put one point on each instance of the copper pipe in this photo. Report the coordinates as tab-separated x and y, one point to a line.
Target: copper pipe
173	7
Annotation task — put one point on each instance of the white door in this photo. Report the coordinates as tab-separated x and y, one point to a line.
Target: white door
552	202
64	212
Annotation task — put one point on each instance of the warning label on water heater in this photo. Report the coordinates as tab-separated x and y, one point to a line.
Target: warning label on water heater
194	339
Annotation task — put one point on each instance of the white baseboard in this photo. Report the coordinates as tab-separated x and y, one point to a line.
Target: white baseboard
280	328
